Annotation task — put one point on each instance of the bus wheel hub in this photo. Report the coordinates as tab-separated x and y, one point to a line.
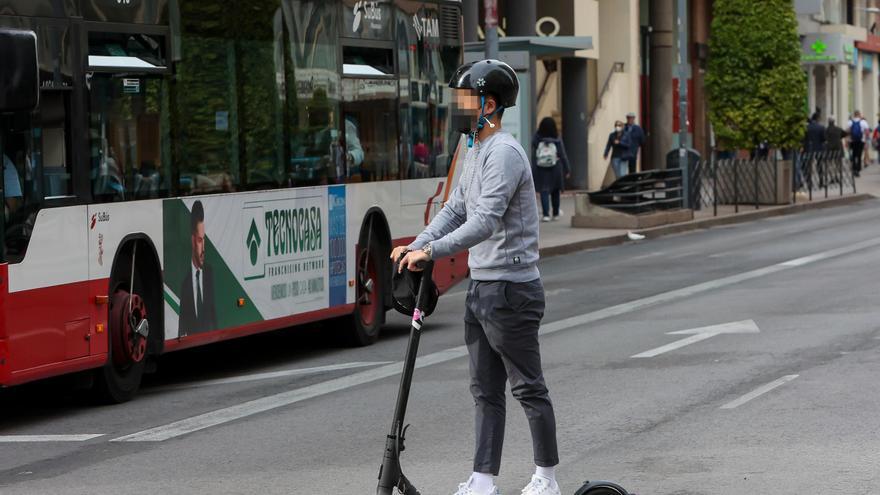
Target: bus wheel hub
128	314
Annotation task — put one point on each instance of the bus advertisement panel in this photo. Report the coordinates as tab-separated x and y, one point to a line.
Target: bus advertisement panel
231	261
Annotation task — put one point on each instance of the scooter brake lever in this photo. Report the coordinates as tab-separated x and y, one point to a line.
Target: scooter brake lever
401	437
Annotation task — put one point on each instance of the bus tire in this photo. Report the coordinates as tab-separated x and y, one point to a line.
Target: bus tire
120	378
369	314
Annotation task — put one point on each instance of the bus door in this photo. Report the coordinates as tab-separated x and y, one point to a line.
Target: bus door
127	157
44	238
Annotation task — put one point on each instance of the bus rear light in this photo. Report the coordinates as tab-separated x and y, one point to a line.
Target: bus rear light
102	300
99	328
240	302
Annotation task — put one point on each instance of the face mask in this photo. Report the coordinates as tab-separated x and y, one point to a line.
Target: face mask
618	128
462	121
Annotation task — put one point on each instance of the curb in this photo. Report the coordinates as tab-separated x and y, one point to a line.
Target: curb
703	223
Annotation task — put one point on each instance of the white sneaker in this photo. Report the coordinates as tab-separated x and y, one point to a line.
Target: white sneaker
555	218
541	486
465	489
545	219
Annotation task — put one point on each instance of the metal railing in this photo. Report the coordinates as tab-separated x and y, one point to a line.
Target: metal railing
642	192
823	172
768	181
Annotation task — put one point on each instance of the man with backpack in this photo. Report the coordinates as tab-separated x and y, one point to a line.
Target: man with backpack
857	129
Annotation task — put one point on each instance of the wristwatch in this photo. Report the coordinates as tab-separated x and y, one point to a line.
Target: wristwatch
427	249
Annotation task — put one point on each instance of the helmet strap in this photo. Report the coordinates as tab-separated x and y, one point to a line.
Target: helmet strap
484	117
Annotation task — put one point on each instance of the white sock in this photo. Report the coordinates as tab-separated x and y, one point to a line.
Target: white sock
482	482
547	472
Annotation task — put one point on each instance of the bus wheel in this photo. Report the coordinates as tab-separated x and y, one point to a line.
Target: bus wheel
118	381
369	313
128	313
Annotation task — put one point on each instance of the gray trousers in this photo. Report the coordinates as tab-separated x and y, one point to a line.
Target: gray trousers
501	331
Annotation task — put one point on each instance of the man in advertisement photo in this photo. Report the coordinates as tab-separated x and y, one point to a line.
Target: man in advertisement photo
197	311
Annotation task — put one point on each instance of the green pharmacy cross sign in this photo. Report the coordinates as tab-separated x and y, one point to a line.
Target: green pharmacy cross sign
827	48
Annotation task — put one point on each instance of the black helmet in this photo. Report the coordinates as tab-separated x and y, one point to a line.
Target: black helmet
488	77
405	290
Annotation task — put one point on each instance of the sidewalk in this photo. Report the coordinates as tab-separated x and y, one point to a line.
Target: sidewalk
560	237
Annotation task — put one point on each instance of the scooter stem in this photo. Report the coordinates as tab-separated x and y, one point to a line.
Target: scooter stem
390	475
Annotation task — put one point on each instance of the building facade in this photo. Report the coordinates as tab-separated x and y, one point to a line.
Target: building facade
839	52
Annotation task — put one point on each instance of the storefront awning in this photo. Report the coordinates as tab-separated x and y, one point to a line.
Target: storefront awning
539	46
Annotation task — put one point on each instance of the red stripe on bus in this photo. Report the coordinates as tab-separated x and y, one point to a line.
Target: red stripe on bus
258	327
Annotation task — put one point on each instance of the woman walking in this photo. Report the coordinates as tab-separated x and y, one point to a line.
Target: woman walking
550	167
618	150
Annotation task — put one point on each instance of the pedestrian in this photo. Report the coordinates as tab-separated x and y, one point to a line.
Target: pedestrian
834	136
875	141
619	151
814	140
857	129
550	166
814	146
634	138
492	213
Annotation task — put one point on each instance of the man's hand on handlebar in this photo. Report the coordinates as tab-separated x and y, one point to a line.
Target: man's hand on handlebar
397	252
414	261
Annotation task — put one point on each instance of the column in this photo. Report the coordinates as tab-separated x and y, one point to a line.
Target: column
874	89
811	89
471	13
842	94
829	82
522	20
858	102
574	121
661	14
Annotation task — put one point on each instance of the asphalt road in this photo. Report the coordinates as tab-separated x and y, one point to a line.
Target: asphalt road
782	400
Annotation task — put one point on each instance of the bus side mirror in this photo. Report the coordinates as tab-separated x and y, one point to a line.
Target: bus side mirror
19	72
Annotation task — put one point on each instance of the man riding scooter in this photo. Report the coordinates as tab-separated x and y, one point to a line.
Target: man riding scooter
492	212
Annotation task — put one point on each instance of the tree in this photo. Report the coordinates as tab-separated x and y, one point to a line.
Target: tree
757	88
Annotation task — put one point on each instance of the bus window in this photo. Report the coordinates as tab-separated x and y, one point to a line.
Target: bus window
317	141
261	84
427	63
370	113
15	138
127	123
205	101
51	155
36	166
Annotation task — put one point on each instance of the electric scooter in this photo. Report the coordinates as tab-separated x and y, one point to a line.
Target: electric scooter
390	474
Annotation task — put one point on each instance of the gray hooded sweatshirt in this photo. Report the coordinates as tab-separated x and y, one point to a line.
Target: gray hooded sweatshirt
492	212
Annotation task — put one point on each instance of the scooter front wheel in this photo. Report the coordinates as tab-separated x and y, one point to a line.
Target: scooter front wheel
601	488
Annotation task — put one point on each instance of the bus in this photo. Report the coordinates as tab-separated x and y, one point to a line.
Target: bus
181	172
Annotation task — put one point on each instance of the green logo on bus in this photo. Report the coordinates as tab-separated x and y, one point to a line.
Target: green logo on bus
253	242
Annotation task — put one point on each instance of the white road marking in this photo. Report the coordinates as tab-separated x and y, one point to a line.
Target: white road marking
556	292
232	413
269	375
700	334
48	438
759	391
252	407
686	254
649	255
